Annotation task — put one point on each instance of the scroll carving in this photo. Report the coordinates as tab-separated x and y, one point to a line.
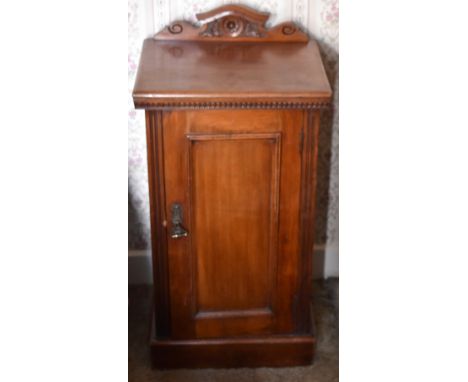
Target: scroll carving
175	28
232	23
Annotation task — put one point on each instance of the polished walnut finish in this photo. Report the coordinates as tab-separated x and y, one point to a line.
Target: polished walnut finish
232	114
185	70
212	75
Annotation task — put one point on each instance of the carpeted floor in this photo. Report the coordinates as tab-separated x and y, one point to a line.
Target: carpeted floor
324	369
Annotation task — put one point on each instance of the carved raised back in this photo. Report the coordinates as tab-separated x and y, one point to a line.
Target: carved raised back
232	23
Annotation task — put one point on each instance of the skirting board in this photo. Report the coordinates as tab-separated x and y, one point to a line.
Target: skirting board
325	264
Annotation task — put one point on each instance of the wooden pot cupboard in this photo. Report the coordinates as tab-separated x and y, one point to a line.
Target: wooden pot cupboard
232	118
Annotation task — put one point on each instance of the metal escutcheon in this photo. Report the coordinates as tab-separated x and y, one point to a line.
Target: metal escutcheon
177	229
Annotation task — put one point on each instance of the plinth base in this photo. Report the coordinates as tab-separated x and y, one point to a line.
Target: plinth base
265	351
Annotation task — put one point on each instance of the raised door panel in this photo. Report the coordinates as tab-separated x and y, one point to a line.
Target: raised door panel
236	176
234	192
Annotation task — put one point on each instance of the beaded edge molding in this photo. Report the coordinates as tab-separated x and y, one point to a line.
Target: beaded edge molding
232	105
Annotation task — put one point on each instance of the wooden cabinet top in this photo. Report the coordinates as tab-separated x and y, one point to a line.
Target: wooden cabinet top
232	60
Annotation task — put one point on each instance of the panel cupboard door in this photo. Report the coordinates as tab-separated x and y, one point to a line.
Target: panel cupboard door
234	176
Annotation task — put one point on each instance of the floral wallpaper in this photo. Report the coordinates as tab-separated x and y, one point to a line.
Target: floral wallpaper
328	175
138	202
320	17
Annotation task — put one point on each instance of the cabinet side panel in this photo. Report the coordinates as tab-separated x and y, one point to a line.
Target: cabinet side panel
158	216
308	195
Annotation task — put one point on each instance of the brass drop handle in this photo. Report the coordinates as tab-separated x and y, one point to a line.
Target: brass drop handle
177	217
